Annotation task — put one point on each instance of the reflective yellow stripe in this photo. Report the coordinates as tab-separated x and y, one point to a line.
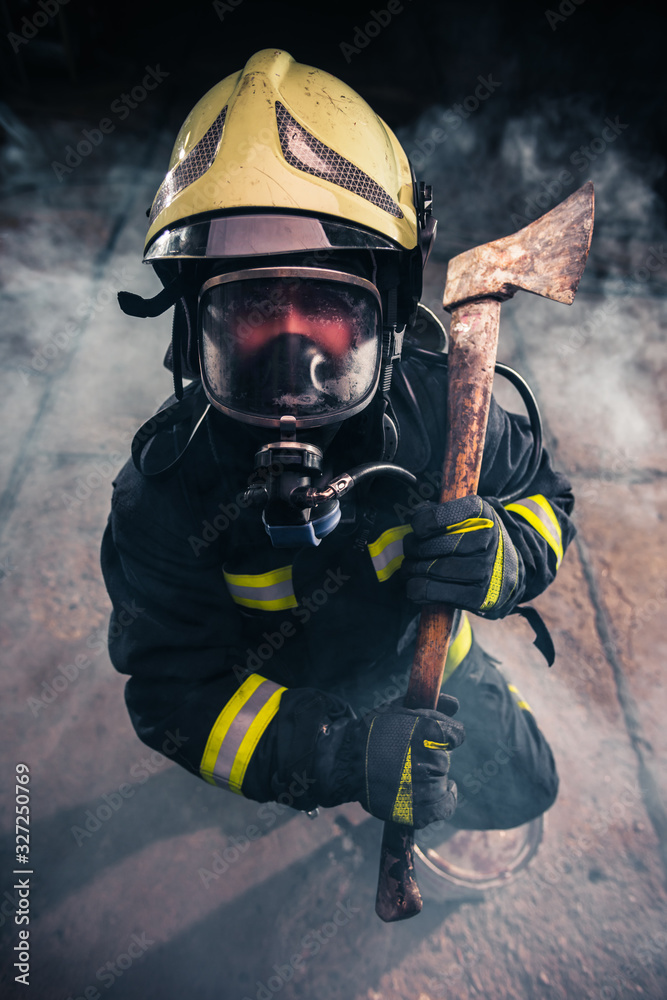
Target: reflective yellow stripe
272	591
459	647
402	811
225	761
260	579
279	604
493	592
430	745
519	700
539	513
387	551
470	524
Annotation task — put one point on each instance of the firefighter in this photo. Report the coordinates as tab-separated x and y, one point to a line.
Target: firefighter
274	524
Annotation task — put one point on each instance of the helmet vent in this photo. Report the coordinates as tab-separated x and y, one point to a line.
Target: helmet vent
303	151
191	167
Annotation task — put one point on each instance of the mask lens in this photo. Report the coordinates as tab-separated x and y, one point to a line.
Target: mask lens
308	347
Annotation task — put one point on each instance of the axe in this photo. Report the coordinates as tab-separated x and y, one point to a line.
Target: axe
546	258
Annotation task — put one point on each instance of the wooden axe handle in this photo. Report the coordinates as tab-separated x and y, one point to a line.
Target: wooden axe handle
473	342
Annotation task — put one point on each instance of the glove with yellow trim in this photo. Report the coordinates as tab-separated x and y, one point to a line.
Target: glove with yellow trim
394	761
460	553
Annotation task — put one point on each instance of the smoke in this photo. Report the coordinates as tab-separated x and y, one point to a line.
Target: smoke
52	245
495	168
599	367
21	154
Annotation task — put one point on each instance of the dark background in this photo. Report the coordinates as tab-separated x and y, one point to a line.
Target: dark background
609	54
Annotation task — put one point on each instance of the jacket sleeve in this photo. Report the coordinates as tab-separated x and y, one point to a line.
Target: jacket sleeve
182	644
538	522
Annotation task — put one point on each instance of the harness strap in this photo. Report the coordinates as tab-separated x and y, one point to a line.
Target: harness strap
543	639
163	421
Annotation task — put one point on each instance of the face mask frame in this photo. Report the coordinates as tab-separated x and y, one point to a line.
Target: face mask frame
299	273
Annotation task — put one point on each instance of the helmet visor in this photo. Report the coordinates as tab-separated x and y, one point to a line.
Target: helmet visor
290	341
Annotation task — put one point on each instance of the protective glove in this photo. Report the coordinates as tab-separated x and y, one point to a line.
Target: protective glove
460	553
394	761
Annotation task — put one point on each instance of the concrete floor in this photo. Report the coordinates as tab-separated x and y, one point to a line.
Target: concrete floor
134	904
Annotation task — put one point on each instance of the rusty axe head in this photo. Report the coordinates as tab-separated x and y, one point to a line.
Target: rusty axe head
546	257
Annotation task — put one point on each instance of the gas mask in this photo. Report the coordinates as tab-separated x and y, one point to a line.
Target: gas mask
292	349
289	341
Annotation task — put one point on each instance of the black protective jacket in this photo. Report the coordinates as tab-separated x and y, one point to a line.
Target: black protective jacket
215	604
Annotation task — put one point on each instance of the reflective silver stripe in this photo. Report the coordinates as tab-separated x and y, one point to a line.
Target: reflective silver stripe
540	515
237	731
387	551
272	591
193	166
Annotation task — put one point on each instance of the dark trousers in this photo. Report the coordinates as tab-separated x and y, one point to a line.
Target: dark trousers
504	771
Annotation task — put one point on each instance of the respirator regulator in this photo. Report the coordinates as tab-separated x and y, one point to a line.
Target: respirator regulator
296	513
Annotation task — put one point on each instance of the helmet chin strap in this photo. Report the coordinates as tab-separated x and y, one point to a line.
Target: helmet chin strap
392	347
135	305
